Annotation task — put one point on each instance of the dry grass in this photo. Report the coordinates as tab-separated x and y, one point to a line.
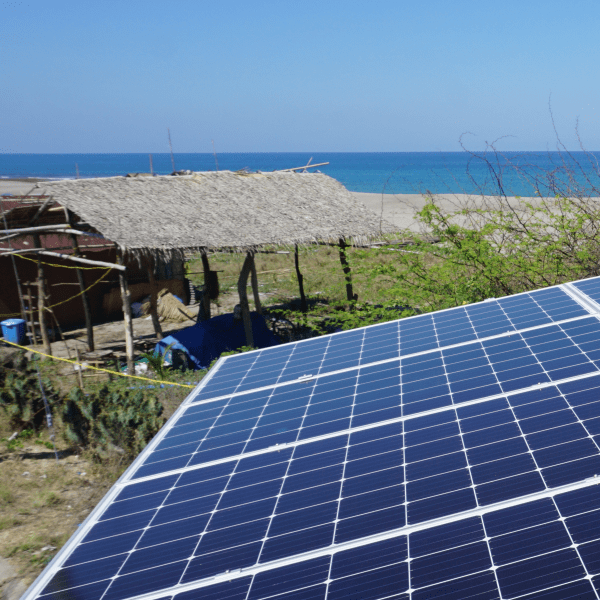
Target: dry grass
320	265
42	502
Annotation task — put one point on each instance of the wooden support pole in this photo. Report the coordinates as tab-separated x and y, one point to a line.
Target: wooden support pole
303	305
42	299
242	283
79	368
207	287
40	229
153	300
127	316
84	297
350	295
254	282
84	261
31	314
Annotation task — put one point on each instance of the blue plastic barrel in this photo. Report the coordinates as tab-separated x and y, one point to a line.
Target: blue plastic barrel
13	330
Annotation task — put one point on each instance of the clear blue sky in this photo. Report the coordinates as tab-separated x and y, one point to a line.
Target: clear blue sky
279	76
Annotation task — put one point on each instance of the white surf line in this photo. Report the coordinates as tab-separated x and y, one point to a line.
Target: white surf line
311	377
327	436
365	541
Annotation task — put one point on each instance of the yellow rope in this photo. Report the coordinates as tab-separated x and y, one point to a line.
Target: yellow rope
59	266
98	368
68	299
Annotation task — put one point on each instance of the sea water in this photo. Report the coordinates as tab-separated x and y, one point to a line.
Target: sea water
375	172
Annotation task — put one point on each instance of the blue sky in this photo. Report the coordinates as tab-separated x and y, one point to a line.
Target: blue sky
279	76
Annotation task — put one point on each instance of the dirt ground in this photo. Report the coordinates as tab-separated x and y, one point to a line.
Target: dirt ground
42	502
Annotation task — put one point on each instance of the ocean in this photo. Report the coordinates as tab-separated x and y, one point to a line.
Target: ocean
375	172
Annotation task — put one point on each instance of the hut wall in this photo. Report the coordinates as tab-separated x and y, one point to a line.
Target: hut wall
62	285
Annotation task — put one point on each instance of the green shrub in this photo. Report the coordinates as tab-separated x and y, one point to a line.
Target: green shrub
106	421
20	394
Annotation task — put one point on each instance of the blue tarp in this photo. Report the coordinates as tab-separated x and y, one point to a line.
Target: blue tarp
207	340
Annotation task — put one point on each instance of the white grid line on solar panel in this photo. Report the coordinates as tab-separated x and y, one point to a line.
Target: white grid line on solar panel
471	479
270	358
458	375
358	429
206	526
465	420
390	360
581	297
362	543
589	287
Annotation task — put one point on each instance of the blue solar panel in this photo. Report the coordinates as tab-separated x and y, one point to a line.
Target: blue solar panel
452	454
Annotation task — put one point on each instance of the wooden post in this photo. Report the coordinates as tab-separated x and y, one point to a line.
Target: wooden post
207	287
153	300
41	298
84	297
242	283
79	369
347	271
30	313
128	320
254	282
303	305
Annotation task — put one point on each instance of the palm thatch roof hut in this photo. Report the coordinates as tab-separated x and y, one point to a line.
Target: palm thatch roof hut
161	217
218	210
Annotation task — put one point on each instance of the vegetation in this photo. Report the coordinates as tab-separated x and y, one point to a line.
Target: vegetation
474	249
108	421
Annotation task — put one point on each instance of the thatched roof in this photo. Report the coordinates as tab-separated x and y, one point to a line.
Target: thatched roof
217	210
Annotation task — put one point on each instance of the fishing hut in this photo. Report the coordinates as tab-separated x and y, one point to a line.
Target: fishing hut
150	221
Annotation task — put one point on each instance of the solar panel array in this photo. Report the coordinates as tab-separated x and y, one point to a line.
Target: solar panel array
452	454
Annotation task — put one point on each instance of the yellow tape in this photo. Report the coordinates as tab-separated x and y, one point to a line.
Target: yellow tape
68	299
59	266
74	362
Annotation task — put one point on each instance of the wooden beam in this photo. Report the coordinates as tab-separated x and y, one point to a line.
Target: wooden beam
207	287
84	297
42	300
254	282
303	304
85	261
127	316
242	284
350	295
40	210
298	168
39	229
153	300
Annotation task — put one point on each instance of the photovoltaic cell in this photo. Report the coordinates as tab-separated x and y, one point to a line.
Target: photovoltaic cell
450	454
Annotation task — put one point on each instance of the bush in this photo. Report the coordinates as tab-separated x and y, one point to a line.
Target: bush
106	421
20	394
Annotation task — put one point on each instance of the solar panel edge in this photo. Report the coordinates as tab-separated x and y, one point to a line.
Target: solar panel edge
581	297
391	360
46	575
441	311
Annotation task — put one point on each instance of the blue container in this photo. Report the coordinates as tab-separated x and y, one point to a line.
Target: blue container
13	330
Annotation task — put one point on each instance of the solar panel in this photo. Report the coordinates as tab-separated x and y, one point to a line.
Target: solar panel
452	454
